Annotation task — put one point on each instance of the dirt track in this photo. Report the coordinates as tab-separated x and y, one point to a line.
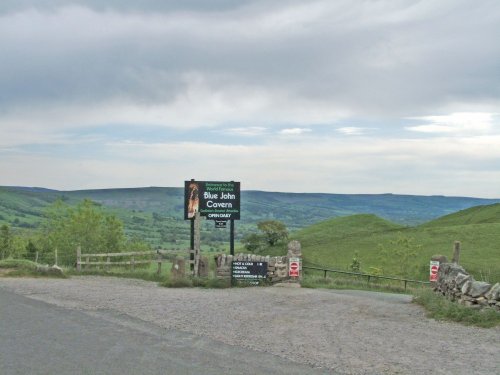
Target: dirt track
343	332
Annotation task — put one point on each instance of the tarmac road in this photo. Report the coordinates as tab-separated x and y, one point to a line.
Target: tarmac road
39	338
107	325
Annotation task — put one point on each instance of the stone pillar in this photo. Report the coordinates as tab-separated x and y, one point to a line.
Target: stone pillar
203	267
440	258
294	249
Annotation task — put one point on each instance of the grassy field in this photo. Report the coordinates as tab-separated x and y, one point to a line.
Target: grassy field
155	215
334	243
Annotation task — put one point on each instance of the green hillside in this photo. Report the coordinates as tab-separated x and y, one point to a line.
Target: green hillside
473	215
333	243
155	214
24	208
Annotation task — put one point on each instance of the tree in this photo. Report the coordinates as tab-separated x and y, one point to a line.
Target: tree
31	250
5	241
87	225
273	231
252	242
112	236
355	264
402	255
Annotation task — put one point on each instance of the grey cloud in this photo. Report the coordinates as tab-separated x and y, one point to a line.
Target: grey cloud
9	6
374	59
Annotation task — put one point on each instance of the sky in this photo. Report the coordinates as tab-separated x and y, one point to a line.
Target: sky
331	96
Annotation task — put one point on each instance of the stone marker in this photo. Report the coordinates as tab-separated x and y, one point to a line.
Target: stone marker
49	270
203	267
178	270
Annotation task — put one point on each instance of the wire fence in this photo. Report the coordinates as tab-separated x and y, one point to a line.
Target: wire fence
369	277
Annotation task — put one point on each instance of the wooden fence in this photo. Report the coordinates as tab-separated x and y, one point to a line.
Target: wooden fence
107	260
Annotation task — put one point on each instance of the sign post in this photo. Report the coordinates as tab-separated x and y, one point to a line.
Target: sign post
434	268
215	200
231	238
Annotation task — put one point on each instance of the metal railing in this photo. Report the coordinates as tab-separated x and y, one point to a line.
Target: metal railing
326	270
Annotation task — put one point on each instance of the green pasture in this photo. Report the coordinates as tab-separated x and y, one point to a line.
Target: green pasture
374	241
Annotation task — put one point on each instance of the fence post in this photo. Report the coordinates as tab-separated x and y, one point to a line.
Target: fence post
456	252
78	258
108	261
55	256
197	244
36	257
132	262
159	263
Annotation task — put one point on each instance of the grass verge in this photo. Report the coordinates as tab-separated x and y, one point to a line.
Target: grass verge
23	267
313	281
127	274
196	282
18	264
440	308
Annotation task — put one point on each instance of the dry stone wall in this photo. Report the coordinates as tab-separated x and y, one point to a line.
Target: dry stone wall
277	267
458	285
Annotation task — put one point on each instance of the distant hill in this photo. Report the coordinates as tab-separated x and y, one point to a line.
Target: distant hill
156	213
308	208
334	242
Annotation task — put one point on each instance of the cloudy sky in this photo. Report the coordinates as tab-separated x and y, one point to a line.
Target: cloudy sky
329	96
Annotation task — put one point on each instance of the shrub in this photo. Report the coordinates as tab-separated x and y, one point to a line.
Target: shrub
19	264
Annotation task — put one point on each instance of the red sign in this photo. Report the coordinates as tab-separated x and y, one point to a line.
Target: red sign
294	268
434	270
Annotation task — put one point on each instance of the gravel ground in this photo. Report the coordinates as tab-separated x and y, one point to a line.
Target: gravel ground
343	332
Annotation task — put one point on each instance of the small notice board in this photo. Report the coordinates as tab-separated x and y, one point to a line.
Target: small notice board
249	271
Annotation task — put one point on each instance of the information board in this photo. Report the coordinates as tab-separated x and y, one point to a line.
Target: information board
215	200
220	224
249	271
